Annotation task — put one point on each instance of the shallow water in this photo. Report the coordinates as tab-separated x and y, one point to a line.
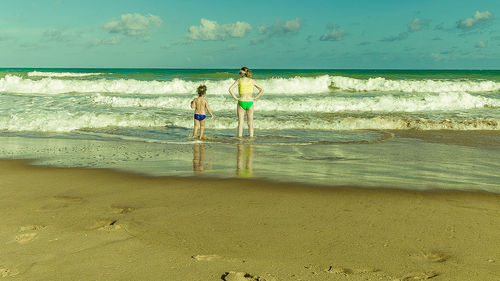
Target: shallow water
328	127
396	162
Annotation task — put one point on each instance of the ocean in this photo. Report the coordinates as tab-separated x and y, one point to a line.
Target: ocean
366	128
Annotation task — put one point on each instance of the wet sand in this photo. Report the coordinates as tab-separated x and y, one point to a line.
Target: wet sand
84	224
479	138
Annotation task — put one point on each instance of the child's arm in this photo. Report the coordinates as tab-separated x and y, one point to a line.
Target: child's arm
261	90
232	88
192	103
208	109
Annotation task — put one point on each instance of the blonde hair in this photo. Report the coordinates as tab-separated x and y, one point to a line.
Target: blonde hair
245	71
202	90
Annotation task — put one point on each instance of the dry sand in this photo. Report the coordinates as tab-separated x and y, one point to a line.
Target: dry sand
76	224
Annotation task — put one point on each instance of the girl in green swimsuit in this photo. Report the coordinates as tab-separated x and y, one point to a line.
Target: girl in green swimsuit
245	102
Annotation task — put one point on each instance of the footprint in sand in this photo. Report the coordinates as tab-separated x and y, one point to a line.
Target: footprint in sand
206	257
435	257
106	225
122	210
339	270
346	271
242	276
418	276
215	258
25	237
32	227
5	272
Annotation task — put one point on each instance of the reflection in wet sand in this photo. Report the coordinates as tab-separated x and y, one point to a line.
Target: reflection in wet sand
198	158
244	160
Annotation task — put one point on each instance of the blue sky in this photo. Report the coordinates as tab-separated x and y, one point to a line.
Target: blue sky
261	34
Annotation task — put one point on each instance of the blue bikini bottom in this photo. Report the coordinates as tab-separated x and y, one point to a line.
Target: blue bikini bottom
199	117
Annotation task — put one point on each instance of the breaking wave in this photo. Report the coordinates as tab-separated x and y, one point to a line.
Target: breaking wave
296	85
66	122
426	102
380	84
62	74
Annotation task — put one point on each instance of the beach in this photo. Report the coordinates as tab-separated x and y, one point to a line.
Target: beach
352	175
269	141
91	224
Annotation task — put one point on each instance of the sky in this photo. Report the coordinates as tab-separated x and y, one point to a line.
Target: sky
317	34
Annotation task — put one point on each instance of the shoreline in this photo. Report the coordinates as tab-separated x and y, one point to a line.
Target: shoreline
408	160
98	224
256	181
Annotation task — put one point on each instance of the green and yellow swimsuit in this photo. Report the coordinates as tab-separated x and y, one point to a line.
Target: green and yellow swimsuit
244	88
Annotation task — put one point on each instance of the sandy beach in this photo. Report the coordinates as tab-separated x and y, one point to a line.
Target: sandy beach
88	224
342	140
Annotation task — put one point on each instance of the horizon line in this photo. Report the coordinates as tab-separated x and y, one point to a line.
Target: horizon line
216	68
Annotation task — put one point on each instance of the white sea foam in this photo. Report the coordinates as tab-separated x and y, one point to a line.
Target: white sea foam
352	123
65	121
414	103
412	86
296	85
17	84
62	74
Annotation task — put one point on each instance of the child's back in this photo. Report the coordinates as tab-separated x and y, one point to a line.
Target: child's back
200	104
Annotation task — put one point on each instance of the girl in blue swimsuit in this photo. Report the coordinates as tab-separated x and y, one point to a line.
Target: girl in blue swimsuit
200	104
245	102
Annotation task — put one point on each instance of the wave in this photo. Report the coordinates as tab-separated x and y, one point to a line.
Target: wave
62	74
356	123
65	121
296	85
17	84
380	84
427	102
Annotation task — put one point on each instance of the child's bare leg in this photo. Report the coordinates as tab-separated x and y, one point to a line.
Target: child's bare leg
195	127
250	121
241	119
202	128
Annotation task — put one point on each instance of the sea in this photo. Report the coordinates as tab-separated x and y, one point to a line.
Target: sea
406	129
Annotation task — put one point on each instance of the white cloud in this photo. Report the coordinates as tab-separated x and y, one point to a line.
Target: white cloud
134	25
416	24
475	20
211	30
333	35
282	28
278	29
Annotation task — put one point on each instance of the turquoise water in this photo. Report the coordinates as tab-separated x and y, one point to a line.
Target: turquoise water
202	74
318	111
